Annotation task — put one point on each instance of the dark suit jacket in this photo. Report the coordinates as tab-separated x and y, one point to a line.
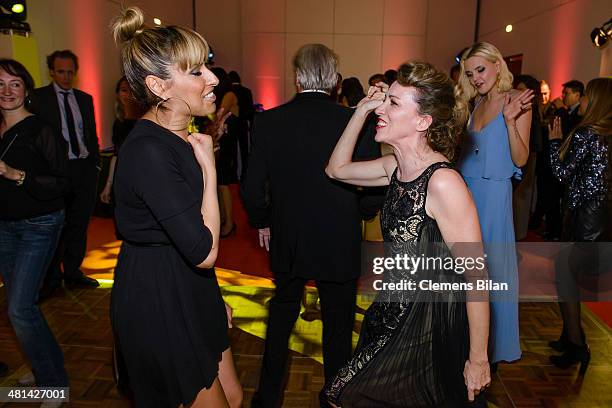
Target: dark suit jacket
569	121
314	221
47	107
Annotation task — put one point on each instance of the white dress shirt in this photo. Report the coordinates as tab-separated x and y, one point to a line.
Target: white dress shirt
78	121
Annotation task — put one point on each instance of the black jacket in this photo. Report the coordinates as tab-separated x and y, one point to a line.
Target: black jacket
32	146
47	107
569	121
314	221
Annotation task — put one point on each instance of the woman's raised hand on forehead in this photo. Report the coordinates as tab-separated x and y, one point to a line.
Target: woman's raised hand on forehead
375	97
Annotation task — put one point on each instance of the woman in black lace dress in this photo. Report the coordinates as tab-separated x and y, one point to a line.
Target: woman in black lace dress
416	348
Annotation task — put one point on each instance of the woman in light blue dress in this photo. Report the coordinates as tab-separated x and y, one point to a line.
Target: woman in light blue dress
496	146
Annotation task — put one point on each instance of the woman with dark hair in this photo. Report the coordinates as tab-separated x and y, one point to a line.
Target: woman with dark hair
167	312
227	160
584	163
352	92
33	179
416	348
496	146
128	111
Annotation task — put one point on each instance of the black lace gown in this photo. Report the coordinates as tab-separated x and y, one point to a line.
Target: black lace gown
413	345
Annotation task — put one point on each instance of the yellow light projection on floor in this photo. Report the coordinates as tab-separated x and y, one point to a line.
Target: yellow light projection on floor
247	295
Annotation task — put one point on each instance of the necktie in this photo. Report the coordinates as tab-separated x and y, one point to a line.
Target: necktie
72	134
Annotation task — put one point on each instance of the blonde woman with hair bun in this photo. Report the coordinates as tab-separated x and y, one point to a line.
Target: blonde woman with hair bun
496	146
168	316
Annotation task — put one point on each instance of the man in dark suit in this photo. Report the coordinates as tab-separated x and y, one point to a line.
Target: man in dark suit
245	117
310	223
71	112
567	107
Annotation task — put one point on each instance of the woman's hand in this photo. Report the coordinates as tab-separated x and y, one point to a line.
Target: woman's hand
477	376
8	172
106	193
203	149
375	97
554	131
229	311
515	106
218	126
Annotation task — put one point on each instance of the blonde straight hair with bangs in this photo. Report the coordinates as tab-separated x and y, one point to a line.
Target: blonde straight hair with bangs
152	51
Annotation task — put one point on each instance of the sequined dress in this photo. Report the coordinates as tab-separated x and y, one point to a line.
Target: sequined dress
413	345
587	172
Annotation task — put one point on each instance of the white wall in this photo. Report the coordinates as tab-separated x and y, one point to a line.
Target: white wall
221	26
258	38
369	36
552	35
83	27
450	28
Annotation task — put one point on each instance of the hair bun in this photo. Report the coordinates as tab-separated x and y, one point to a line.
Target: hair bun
128	24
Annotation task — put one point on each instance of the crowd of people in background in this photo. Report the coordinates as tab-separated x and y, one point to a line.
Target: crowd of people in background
479	155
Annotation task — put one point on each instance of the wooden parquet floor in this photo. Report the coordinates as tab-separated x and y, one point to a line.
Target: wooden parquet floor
80	321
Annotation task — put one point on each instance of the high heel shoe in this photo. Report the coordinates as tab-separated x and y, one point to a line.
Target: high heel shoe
574	354
230	232
559	345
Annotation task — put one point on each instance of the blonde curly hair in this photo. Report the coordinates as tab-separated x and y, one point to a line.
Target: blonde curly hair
464	90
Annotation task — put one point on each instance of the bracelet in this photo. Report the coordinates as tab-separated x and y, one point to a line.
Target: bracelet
21	179
516	131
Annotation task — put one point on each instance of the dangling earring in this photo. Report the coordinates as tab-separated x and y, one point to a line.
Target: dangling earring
27	101
170	126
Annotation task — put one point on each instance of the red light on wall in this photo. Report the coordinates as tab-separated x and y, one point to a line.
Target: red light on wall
268	91
564	41
88	43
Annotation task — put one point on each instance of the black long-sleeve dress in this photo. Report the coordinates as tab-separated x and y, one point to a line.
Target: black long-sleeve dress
168	315
413	345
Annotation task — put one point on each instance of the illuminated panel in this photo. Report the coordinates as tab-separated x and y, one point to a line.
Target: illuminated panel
263	62
565	39
88	39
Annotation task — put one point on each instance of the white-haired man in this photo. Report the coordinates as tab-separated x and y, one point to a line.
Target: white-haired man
310	223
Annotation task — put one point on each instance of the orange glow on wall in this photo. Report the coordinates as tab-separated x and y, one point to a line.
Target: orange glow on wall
263	67
268	90
88	43
565	38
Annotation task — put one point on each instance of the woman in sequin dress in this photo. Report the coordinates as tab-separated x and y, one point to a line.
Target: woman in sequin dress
584	163
415	349
496	146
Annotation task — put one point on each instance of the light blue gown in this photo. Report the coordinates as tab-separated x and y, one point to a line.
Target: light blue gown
487	167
